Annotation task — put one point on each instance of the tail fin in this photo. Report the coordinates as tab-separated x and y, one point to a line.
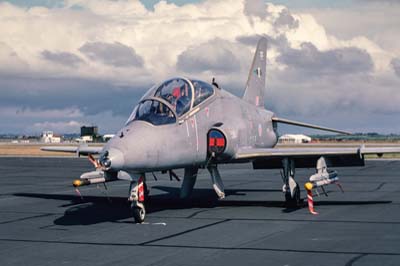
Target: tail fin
255	86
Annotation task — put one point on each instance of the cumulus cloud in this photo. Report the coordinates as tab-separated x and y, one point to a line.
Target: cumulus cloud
215	56
41	113
378	21
279	42
285	19
58	127
63	58
90	97
10	62
395	63
114	54
341	61
99	56
255	8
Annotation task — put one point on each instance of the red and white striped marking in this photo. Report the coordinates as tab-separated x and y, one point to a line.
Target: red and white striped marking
311	202
78	193
94	161
140	189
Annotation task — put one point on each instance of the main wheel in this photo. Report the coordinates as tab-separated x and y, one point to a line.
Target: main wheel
295	201
139	214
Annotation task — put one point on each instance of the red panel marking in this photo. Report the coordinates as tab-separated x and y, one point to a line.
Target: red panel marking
211	142
221	142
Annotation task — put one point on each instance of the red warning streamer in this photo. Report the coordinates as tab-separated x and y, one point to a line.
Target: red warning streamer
310	202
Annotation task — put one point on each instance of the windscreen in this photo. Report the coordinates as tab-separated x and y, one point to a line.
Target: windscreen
155	113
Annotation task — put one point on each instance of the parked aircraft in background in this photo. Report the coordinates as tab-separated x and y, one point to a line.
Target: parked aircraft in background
192	124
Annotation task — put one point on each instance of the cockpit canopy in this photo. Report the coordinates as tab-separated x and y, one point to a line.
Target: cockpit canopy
202	91
178	93
177	96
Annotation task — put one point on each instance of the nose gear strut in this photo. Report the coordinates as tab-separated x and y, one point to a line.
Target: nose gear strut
137	199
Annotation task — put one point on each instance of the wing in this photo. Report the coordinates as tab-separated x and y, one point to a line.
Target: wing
307	157
79	150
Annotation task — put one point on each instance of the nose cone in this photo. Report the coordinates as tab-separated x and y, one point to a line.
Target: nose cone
116	159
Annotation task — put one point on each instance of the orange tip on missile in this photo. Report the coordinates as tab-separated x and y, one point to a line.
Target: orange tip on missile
77	183
308	186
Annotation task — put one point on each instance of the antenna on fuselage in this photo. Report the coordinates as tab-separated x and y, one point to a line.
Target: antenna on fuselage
215	83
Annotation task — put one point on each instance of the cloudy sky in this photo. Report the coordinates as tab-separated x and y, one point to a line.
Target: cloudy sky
65	63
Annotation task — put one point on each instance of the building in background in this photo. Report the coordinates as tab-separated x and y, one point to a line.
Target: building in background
89	134
294	139
89	131
85	139
107	137
49	137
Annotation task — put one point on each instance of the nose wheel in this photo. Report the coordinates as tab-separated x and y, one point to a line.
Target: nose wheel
138	212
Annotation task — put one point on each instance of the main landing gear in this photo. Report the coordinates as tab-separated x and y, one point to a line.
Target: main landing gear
290	187
190	179
217	181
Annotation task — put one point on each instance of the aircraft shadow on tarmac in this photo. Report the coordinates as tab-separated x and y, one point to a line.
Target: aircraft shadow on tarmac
97	209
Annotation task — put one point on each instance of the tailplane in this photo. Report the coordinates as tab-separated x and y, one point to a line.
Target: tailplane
255	86
301	124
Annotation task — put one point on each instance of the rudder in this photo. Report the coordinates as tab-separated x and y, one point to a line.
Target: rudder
255	86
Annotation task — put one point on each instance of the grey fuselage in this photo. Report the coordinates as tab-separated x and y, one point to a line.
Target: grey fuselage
143	147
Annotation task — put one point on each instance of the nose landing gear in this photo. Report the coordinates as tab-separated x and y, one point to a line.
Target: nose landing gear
137	199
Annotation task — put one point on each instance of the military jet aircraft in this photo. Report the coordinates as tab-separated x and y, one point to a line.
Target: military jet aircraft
191	124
